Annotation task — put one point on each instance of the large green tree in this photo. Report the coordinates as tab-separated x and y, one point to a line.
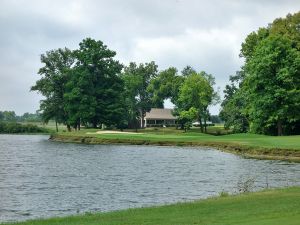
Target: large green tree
137	79
52	85
272	85
197	92
267	95
95	90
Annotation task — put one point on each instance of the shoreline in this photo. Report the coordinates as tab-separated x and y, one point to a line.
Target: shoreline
264	153
255	207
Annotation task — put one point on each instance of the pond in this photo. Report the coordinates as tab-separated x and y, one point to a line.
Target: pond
40	178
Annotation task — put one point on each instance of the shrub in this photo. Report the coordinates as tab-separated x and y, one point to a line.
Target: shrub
245	185
14	128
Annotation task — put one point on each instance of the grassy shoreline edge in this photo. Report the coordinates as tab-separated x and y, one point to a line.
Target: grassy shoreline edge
243	150
267	207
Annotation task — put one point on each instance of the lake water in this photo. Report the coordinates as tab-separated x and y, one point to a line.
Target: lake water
40	178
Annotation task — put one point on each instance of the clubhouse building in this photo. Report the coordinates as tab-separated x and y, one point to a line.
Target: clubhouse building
160	118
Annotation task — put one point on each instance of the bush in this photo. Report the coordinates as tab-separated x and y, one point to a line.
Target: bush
245	185
15	128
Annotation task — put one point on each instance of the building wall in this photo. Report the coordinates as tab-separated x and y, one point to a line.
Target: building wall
157	123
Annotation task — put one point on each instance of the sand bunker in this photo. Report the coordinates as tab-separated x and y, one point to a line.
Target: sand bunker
112	132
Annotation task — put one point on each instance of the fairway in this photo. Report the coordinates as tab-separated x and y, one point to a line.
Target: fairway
249	145
284	142
271	207
172	135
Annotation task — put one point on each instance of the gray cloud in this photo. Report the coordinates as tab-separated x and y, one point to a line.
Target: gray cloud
205	35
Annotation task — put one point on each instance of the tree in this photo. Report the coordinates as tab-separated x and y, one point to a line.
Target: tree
266	95
197	92
233	113
9	116
137	79
95	90
186	117
31	117
287	27
52	85
165	86
188	70
272	85
233	105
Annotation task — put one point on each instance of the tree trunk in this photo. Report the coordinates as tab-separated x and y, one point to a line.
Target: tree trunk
78	124
69	127
142	118
201	125
134	124
181	126
279	128
200	122
205	130
56	125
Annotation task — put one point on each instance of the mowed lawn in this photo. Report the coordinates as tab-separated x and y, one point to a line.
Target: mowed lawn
271	207
172	135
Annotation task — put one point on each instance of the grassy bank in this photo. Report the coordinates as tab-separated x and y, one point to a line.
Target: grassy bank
272	207
251	145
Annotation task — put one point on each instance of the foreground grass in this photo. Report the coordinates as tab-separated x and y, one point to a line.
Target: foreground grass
272	207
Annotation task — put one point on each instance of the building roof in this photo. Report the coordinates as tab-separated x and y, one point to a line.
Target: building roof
160	114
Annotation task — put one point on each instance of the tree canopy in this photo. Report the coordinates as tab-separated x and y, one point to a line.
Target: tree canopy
265	97
81	86
272	85
94	90
137	78
165	86
197	92
52	85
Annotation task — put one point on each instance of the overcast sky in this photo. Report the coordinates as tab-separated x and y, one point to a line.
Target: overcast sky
204	34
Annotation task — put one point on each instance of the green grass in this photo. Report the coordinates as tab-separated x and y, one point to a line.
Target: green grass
194	136
271	207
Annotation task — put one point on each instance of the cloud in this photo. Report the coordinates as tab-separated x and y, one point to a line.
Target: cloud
204	34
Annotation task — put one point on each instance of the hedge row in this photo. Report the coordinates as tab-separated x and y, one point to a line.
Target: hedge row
14	128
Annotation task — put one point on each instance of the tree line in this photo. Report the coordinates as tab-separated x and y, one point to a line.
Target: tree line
264	96
89	87
10	123
10	116
15	128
